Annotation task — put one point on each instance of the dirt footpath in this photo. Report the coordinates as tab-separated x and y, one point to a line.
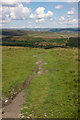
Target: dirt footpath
13	109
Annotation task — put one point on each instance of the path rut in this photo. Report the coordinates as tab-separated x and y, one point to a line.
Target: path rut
13	109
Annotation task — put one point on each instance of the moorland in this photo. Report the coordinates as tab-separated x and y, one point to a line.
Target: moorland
45	66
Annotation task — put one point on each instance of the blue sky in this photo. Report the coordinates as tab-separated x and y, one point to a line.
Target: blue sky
39	15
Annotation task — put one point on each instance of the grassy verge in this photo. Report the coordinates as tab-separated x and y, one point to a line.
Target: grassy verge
55	94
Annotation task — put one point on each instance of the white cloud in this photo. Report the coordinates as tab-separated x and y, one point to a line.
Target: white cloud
0	25
58	6
68	20
8	3
62	18
40	20
17	12
40	14
74	20
14	10
5	13
49	14
40	0
0	12
5	21
40	10
33	16
71	12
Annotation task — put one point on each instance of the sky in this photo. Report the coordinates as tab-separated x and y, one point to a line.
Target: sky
38	14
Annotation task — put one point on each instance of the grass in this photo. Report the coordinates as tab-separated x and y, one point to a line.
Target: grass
49	95
55	94
17	65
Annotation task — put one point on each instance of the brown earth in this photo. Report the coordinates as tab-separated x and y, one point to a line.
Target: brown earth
13	109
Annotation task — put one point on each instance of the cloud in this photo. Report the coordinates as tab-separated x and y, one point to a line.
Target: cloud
62	18
15	10
74	20
0	12
5	21
5	13
49	14
40	20
39	0
64	22
9	4
13	3
18	12
68	20
58	6
40	14
71	12
0	25
40	10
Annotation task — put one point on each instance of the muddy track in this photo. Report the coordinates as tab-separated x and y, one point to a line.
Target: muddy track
21	87
13	107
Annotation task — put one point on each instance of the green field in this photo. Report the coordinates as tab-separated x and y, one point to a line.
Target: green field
17	64
54	92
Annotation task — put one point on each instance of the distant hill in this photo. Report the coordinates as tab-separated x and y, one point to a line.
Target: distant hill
60	30
42	38
65	30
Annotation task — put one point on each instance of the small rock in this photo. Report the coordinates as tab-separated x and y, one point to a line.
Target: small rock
25	107
28	117
39	72
26	112
37	62
6	101
22	116
45	114
30	114
45	63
